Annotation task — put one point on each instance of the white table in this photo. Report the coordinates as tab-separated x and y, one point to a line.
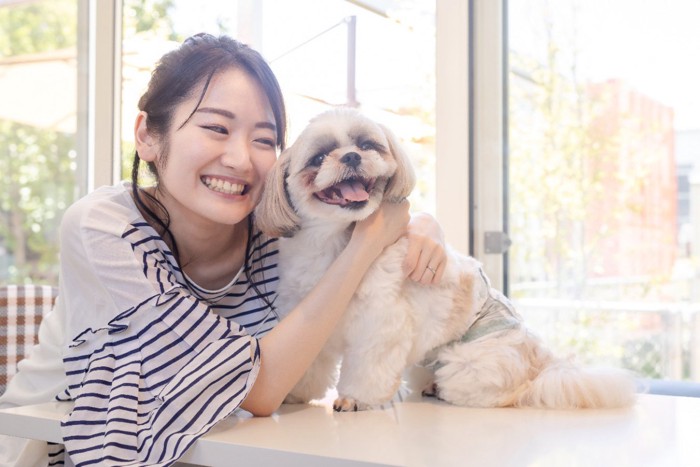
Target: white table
658	431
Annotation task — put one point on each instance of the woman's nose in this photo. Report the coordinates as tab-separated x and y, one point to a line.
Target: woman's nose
237	155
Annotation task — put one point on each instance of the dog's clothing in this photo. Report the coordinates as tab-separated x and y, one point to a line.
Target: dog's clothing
495	314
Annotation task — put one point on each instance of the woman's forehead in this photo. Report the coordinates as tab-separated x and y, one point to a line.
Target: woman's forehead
232	93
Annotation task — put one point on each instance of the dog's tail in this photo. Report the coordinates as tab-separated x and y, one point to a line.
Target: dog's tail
514	369
562	384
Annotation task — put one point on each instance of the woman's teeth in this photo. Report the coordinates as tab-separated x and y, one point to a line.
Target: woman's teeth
223	186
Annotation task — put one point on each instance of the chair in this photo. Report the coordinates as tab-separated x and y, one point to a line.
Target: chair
21	309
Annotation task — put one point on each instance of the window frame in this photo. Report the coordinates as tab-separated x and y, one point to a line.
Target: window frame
99	104
471	170
453	133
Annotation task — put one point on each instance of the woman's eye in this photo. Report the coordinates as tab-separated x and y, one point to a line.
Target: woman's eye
267	142
216	128
318	160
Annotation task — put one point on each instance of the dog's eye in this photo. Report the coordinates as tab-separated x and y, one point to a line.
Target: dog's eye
317	160
368	146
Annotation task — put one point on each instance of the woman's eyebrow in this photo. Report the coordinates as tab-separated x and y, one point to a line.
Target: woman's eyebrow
232	116
214	110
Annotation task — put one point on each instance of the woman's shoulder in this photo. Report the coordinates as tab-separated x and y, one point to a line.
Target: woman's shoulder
105	206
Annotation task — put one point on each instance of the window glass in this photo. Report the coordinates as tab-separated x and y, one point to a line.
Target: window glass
604	142
38	162
310	58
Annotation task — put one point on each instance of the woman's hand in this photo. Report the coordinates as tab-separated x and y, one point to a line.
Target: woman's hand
384	227
426	257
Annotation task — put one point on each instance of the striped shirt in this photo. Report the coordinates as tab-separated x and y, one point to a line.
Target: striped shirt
153	360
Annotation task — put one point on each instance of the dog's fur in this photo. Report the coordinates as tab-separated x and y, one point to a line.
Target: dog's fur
391	322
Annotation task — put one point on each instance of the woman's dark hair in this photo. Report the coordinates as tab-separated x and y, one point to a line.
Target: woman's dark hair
176	77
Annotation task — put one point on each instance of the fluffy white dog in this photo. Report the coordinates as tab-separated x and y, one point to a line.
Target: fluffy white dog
337	172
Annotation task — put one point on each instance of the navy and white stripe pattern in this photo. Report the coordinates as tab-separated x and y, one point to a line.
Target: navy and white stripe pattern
161	374
247	301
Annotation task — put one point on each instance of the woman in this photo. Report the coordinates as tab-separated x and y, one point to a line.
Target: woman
165	320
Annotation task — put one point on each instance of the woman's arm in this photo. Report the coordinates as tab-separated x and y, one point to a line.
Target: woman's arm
149	365
288	350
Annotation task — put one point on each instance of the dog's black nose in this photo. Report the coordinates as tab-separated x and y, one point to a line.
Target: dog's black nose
351	159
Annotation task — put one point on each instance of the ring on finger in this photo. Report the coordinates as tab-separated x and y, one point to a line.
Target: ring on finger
431	270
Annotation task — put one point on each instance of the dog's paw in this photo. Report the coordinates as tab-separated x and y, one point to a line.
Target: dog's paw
431	390
348	404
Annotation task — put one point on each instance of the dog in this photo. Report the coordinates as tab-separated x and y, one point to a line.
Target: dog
339	170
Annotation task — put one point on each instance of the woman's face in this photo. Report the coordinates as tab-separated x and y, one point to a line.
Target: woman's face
217	162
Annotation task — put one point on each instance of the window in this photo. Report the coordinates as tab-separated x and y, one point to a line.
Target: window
604	135
583	133
40	165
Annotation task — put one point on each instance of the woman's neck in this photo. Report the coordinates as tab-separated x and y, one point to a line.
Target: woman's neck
211	257
210	254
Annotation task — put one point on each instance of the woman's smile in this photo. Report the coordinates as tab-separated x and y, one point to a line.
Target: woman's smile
224	186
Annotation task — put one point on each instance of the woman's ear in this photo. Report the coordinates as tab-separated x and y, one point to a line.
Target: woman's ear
146	143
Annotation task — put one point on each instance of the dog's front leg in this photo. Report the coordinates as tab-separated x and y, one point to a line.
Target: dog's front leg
367	381
373	365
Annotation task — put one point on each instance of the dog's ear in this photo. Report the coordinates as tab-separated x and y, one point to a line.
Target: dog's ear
275	215
404	179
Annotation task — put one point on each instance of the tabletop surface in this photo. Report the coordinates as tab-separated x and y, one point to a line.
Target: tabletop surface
657	431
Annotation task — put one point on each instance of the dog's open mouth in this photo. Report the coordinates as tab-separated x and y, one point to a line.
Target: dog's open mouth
350	193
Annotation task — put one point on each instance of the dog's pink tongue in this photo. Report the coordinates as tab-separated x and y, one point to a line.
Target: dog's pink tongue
353	191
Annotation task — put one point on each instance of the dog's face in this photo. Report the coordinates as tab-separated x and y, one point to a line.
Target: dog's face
340	168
